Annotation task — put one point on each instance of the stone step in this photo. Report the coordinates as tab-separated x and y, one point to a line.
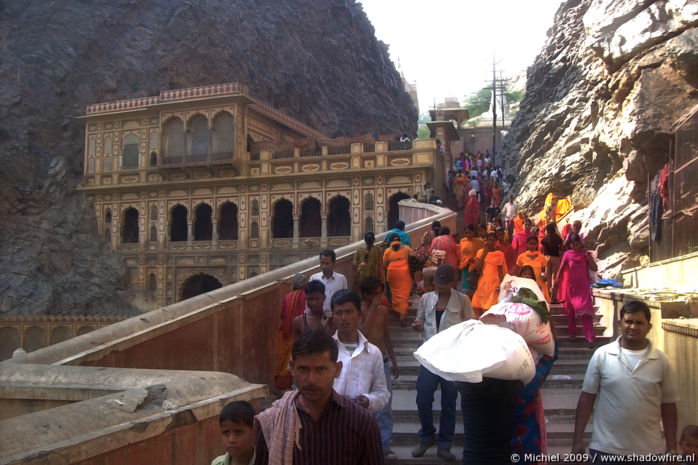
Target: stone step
558	403
406	433
404	454
574	380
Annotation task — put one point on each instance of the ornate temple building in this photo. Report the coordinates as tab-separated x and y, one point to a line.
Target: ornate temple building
200	187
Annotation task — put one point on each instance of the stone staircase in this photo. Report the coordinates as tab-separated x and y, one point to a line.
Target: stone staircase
560	390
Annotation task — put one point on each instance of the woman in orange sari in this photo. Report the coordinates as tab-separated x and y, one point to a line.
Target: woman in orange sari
469	246
496	194
492	264
519	222
536	260
395	264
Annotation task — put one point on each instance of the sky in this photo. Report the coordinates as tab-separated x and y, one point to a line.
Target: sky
447	46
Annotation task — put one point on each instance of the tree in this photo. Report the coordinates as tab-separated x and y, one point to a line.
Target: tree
478	102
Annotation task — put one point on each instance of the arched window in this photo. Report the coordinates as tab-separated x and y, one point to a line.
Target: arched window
198	140
152	282
59	334
153	159
153	234
129	155
282	222
173	137
153	213
310	221
228	222
107	225
107	145
203	226
339	220
223	134
34	338
129	233
254	230
178	224
368	202
368	224
198	284
394	208
254	207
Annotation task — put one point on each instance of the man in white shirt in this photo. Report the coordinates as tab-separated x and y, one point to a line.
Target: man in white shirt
333	281
509	212
362	378
630	386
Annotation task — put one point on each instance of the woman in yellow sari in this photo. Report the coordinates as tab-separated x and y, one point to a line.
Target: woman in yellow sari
395	264
536	260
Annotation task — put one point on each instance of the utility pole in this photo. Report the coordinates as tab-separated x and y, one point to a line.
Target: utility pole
494	109
502	83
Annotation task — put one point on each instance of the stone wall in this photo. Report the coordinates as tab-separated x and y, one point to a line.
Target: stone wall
130	383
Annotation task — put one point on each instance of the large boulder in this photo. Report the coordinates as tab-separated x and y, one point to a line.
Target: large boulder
601	102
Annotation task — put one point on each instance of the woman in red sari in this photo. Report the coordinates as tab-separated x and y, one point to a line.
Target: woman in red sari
472	210
292	306
574	287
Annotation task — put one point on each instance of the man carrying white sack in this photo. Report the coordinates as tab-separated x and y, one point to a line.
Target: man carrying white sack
439	310
489	407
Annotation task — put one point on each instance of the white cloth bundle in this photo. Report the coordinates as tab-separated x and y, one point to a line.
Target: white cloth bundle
472	350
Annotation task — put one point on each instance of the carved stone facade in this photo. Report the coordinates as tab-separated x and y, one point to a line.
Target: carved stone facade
182	193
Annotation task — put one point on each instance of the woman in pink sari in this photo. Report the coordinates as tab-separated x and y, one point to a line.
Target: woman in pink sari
574	287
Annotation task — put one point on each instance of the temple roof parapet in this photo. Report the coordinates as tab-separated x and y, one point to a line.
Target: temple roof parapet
192	94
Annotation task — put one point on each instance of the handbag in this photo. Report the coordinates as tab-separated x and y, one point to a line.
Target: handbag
473	278
436	258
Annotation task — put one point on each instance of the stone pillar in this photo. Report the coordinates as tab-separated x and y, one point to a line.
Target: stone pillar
214	233
190	229
323	238
296	231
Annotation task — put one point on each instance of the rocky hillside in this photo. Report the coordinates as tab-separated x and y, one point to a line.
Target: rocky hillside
318	60
602	96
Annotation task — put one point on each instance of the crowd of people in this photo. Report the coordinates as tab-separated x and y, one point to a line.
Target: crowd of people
336	362
336	370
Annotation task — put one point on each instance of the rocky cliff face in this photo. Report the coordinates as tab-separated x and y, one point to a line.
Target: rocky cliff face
612	79
318	60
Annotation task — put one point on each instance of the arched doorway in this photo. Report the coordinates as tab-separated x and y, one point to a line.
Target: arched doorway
311	221
339	219
203	225
228	222
129	233
178	224
198	284
394	209
282	222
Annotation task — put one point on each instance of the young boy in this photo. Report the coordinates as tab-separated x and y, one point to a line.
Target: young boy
374	313
312	318
689	444
236	422
362	377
